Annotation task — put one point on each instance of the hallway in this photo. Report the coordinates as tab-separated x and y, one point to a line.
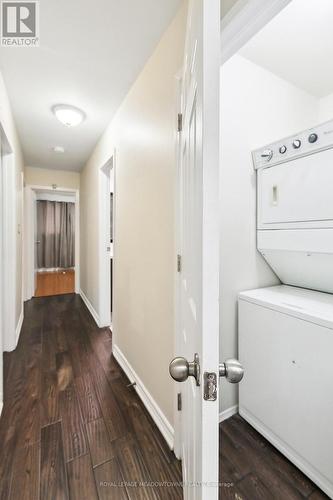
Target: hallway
70	427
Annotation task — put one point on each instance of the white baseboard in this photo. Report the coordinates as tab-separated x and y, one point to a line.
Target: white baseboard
1	406
90	308
19	327
229	412
154	410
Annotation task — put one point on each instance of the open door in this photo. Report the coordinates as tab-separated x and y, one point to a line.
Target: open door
198	262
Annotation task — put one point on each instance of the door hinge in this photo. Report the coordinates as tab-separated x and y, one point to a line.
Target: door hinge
179	263
179	401
180	122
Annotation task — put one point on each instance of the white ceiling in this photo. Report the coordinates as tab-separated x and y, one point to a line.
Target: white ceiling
297	45
90	54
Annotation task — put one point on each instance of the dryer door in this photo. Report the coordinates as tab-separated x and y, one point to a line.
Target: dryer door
296	191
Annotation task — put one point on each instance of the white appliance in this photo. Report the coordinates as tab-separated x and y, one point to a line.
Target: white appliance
286	346
295	207
286	332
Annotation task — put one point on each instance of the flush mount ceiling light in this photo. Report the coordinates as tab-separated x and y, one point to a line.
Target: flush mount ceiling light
68	115
58	149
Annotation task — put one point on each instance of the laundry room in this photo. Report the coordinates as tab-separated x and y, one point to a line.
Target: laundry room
276	228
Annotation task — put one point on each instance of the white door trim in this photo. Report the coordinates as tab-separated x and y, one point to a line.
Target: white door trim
104	241
244	20
8	268
9	252
9	224
30	192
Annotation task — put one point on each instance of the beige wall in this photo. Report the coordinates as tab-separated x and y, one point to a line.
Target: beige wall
7	122
47	177
143	133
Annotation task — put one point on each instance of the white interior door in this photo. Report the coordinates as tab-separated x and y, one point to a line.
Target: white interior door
199	249
105	247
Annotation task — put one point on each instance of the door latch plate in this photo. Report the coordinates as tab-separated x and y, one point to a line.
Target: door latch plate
210	386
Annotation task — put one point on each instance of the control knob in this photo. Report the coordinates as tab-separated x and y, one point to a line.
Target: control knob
267	154
296	144
313	138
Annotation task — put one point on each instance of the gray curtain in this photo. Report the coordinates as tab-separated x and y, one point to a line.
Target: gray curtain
56	234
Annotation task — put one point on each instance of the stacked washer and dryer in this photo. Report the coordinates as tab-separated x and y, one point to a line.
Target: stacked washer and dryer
286	331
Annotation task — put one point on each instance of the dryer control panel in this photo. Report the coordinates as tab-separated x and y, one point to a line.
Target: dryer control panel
301	144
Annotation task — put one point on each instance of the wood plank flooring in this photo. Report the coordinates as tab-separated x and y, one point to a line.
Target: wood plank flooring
70	428
55	282
252	469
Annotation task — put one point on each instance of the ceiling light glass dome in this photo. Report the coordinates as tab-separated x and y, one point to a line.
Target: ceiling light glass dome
68	115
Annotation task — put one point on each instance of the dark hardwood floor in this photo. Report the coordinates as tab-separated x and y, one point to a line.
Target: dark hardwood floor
71	429
252	469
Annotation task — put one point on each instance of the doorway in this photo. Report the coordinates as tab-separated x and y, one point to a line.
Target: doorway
9	233
107	198
51	241
263	102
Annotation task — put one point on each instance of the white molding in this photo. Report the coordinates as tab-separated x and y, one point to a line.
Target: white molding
9	251
289	452
90	308
58	189
1	405
229	412
244	20
56	196
28	243
104	275
77	241
19	326
154	410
